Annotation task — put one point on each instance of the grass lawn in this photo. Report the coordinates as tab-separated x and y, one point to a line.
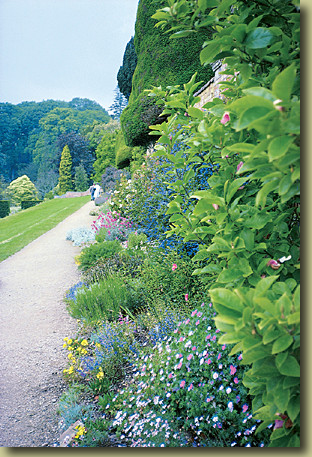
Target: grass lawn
18	230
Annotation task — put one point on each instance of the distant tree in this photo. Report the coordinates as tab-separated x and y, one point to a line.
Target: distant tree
120	102
81	179
125	73
3	188
46	181
105	154
95	132
83	104
21	189
79	150
65	172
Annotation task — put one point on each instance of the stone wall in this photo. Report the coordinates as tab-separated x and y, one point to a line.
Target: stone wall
211	89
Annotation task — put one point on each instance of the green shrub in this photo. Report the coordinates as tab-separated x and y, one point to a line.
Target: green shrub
125	262
169	278
247	223
4	208
137	118
106	300
29	203
96	251
21	189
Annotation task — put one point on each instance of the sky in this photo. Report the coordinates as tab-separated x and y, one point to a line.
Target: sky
62	49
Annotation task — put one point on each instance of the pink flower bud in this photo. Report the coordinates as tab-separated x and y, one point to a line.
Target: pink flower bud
273	264
239	166
277	106
186	297
225	118
215	206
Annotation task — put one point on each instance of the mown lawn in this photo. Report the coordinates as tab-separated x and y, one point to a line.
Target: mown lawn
18	230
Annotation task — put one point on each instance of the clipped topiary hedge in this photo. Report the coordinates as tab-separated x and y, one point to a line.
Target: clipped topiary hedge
161	62
4	208
29	203
124	153
137	117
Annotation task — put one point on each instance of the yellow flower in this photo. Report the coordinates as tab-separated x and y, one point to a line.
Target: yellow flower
81	430
84	343
97	345
84	351
70	348
65	345
100	374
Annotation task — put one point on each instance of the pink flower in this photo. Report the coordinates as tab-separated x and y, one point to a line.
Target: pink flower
181	339
186	297
245	407
180	365
170	375
278	424
197	322
194	348
193	313
174	266
235	380
273	264
219	356
216	207
182	383
223	347
225	118
190	387
239	166
232	369
209	361
189	356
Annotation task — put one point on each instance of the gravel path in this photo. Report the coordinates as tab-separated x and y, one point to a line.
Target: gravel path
33	323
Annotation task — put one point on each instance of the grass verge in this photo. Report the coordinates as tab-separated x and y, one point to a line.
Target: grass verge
18	230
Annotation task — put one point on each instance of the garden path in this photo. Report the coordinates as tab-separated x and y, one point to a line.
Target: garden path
33	323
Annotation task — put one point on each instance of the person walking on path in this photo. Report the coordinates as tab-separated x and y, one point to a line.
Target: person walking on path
97	191
92	189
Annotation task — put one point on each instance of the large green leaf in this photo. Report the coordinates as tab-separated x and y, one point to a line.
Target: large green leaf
251	115
279	146
282	343
290	367
259	38
284	82
226	298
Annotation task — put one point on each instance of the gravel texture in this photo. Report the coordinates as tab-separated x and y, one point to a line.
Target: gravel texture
33	323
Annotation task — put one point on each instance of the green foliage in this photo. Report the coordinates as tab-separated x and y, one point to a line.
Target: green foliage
168	277
97	251
125	72
4	208
137	118
81	179
29	203
161	61
124	153
126	263
22	189
29	131
247	222
105	300
105	154
65	176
